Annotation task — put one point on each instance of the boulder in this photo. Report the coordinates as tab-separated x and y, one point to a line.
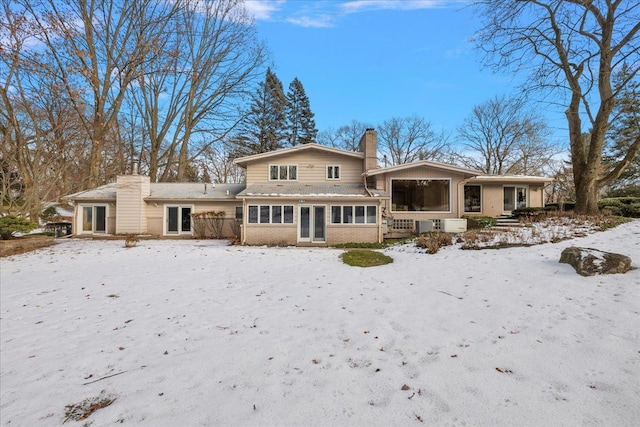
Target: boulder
589	262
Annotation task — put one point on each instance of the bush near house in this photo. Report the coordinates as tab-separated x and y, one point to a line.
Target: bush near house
11	224
433	241
475	222
621	206
532	214
566	206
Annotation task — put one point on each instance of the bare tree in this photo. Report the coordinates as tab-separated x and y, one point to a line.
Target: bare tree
217	161
407	139
573	47
40	138
502	136
346	137
189	98
95	50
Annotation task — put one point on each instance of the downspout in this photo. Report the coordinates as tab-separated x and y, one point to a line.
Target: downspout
379	221
245	214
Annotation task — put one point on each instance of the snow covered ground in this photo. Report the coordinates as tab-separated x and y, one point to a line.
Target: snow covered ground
187	333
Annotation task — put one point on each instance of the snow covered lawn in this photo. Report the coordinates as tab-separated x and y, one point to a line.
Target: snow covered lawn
186	333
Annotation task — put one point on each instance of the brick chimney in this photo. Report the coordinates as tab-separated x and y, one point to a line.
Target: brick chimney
369	146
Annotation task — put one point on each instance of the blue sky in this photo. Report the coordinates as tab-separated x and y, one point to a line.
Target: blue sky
374	60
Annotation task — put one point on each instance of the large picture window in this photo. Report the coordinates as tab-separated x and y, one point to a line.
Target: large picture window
472	197
270	214
431	195
354	214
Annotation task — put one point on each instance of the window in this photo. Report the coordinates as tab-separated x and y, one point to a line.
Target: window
270	214
472	198
345	214
239	213
333	172
432	195
283	172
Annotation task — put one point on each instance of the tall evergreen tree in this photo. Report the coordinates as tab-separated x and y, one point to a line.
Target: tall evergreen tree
264	126
301	128
624	127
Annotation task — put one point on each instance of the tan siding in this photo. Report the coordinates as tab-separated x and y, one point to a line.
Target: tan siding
312	167
130	206
155	214
492	200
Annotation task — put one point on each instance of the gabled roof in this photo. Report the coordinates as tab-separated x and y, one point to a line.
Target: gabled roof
511	178
193	191
309	190
423	163
242	161
104	192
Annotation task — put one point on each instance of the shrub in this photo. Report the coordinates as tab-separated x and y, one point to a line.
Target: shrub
49	214
475	222
11	224
566	206
433	241
622	206
530	214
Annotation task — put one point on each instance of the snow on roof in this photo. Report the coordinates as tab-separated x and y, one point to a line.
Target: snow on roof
193	190
308	190
104	192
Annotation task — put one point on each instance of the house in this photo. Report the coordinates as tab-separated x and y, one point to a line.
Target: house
307	195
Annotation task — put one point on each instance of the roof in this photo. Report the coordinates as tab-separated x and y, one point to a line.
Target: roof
242	161
104	192
423	163
193	191
511	178
309	190
166	191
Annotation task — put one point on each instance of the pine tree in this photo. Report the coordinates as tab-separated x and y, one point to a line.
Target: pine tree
624	129
301	128
264	126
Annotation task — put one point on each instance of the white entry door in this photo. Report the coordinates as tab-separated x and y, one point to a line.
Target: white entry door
312	224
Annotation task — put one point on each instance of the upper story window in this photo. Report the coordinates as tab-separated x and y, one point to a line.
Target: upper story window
283	172
333	172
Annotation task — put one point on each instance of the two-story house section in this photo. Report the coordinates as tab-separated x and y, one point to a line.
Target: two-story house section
311	194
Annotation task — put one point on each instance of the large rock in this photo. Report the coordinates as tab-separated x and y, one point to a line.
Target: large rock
589	262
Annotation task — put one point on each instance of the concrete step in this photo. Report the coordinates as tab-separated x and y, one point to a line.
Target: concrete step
507	221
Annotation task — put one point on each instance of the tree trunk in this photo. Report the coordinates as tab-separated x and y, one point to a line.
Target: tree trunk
586	185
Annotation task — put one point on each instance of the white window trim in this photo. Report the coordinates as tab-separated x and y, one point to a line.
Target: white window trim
279	165
165	223
353	222
339	172
81	207
293	217
423	179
